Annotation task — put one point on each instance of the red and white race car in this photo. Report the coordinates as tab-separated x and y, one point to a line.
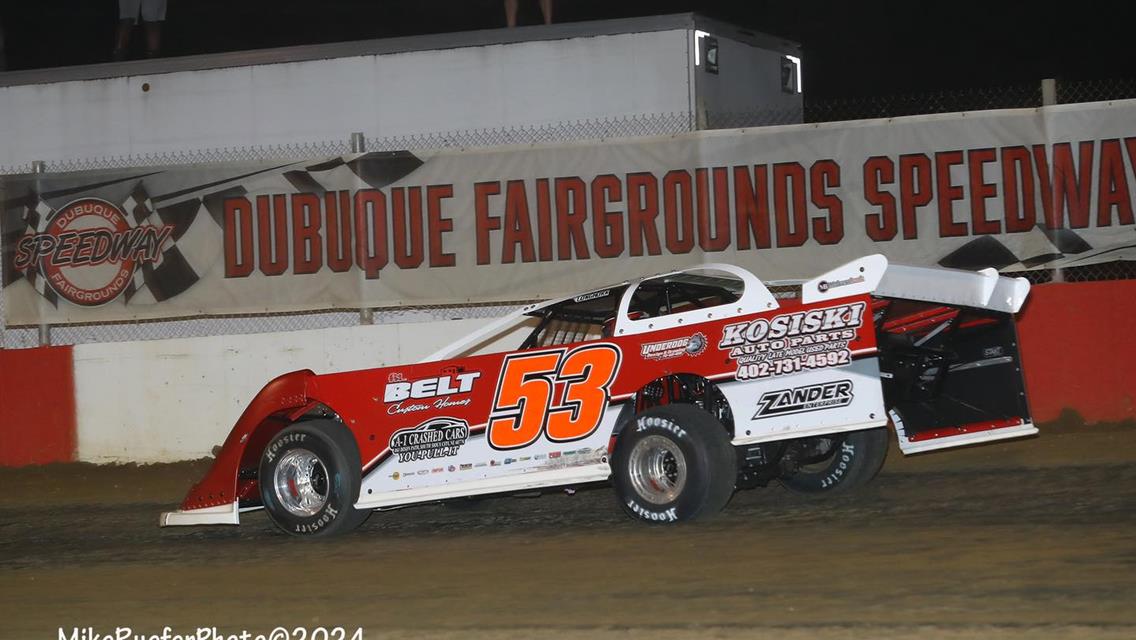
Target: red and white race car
679	388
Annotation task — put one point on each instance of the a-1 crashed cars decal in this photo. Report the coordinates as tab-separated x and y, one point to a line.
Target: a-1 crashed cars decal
435	438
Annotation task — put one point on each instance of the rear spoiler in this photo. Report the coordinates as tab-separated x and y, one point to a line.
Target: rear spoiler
873	274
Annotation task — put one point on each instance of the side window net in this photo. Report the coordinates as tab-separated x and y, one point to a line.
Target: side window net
567	332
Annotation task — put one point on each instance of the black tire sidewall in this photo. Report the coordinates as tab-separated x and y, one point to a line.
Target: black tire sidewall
856	459
343	479
693	432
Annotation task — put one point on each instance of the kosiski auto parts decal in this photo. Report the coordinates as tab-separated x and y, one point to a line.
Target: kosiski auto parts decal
793	342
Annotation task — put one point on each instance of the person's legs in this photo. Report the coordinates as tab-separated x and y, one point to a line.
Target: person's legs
510	13
153	14
127	18
122	38
546	10
153	39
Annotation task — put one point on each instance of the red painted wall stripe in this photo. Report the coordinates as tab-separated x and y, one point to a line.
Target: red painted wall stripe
1078	345
37	406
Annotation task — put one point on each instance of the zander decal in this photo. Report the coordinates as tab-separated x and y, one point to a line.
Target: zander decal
813	397
435	438
793	342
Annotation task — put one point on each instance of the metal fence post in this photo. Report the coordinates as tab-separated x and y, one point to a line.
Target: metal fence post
359	145
1048	99
1048	92
40	167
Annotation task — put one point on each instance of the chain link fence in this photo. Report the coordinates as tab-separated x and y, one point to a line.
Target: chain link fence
1006	97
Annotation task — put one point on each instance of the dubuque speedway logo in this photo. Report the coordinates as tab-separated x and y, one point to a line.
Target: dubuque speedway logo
89	251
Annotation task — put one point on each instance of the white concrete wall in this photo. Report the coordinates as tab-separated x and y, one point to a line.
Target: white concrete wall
413	92
169	400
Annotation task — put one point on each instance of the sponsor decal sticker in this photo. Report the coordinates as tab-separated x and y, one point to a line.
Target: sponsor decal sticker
595	295
793	342
435	438
813	397
466	467
825	285
432	387
692	346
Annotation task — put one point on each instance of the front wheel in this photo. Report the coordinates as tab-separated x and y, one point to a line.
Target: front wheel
841	462
310	479
673	463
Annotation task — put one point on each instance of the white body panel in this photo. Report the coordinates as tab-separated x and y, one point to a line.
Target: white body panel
863	409
223	514
478	468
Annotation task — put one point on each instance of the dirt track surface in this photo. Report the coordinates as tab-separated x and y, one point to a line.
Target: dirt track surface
1028	539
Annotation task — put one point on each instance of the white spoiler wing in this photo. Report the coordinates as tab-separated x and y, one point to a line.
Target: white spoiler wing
872	274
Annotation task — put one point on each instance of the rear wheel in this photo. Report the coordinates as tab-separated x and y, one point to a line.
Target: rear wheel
310	478
673	463
841	462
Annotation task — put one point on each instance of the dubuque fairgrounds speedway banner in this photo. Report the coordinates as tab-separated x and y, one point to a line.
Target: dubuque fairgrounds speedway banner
1014	190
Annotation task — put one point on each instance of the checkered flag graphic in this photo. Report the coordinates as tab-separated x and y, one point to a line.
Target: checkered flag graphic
36	217
172	273
196	215
1039	248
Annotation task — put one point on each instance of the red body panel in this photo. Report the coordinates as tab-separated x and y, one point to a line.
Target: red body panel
219	486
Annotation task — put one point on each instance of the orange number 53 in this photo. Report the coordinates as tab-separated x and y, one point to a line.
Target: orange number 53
525	405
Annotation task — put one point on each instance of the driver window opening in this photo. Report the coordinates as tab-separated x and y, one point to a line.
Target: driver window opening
682	292
589	316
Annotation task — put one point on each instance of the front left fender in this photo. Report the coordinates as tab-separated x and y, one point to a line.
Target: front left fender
217	491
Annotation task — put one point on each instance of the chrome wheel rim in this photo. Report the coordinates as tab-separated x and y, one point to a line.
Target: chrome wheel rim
658	469
301	484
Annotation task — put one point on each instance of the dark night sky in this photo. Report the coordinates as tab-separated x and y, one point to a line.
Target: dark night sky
851	48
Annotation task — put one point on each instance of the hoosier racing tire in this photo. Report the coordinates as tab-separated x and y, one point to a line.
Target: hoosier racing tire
310	479
855	458
673	463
